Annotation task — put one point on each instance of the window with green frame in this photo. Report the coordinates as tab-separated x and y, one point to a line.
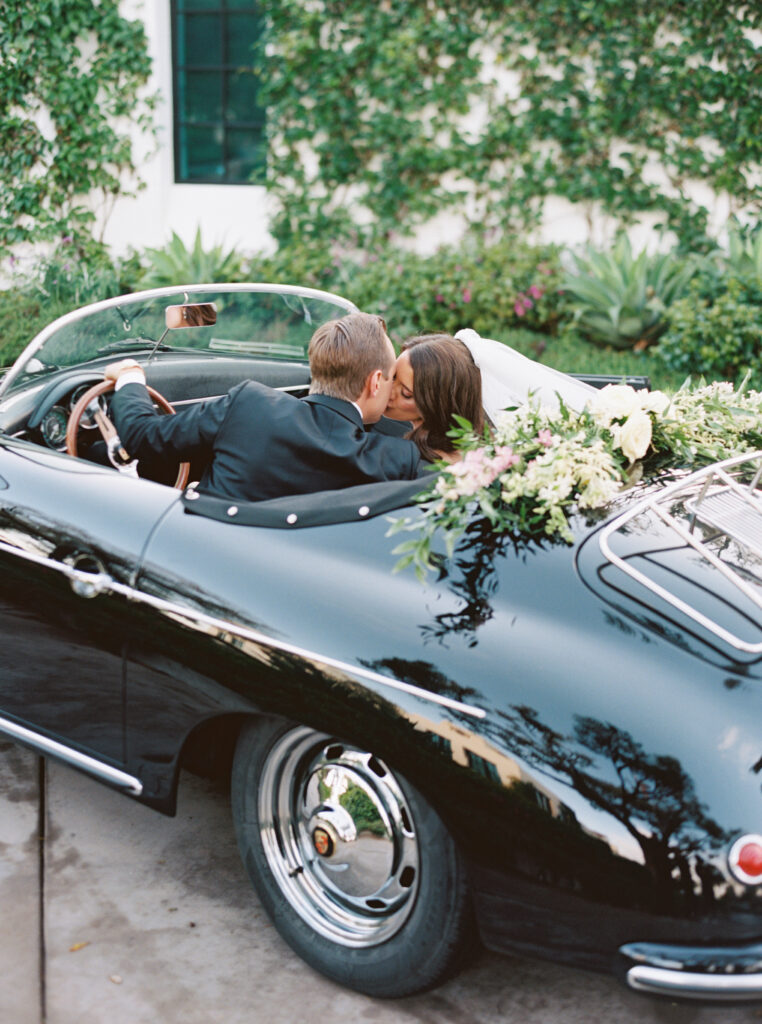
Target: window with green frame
218	123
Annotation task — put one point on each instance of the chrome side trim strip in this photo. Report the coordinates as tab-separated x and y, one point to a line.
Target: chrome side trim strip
73	757
89	585
688	985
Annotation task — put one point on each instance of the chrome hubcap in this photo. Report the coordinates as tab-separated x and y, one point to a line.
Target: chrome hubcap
339	838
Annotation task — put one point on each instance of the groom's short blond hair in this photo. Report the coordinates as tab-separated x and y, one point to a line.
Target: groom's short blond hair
343	353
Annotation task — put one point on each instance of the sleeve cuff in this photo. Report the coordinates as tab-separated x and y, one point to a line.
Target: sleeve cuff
135	376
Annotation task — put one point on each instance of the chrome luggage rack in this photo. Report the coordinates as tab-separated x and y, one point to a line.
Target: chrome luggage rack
728	507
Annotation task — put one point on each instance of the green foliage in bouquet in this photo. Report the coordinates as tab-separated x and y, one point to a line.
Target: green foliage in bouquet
540	465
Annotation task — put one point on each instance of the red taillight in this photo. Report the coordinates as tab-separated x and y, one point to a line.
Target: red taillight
745	859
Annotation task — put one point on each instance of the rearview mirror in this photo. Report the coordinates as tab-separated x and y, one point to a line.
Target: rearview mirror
191	314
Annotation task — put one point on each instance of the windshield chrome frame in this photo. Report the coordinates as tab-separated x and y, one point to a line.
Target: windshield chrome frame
39	340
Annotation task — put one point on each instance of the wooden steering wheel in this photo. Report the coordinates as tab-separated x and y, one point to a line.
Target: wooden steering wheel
107	428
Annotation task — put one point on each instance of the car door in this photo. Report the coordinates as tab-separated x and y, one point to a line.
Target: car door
71	535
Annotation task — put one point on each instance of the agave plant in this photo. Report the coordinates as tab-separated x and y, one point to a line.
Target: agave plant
620	298
744	257
176	264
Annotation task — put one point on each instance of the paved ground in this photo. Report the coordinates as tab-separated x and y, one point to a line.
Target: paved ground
122	916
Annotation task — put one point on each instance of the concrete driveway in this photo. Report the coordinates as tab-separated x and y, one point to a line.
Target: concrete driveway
114	914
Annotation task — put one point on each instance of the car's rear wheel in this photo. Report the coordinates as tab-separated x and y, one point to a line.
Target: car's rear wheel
356	869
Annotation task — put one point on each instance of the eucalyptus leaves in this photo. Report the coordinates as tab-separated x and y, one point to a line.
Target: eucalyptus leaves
539	463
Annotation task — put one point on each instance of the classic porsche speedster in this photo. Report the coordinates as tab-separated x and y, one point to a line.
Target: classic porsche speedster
556	747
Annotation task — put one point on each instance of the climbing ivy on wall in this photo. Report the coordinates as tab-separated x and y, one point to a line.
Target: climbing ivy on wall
382	114
70	89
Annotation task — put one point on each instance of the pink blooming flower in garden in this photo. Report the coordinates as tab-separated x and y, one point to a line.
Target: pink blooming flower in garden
535	291
545	438
439	298
466	294
522	304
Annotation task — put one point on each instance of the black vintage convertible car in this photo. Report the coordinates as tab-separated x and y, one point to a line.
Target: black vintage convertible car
554	747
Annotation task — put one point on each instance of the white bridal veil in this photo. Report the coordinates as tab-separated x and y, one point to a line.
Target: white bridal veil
508	377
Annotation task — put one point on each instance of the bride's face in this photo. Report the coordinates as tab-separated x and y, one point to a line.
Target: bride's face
401	402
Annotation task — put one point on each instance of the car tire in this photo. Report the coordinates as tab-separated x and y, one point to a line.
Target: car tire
355	868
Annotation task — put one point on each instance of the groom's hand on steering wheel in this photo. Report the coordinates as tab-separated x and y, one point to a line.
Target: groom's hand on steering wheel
116	370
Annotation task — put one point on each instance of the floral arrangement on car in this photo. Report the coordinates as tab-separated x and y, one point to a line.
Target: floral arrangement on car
538	464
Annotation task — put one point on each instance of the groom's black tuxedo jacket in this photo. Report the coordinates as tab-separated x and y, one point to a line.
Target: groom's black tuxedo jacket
260	443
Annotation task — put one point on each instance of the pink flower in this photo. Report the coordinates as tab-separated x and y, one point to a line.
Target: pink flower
545	438
439	298
522	304
466	294
504	458
535	291
475	457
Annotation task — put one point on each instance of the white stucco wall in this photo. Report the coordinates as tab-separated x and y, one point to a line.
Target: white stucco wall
237	215
231	215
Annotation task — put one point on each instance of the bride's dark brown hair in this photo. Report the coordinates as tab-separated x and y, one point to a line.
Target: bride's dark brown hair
446	382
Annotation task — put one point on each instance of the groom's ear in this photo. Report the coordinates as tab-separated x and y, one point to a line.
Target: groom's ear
372	384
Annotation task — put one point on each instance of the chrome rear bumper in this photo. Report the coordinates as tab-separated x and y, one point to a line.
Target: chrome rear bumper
711	973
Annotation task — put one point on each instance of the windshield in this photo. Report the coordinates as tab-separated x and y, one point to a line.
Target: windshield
271	321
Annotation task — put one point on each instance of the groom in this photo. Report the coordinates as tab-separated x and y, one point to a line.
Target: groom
260	443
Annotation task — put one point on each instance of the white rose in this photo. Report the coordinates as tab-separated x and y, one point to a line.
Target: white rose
635	435
653	401
614	402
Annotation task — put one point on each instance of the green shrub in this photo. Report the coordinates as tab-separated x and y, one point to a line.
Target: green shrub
487	287
24	316
177	264
720	337
621	299
71	276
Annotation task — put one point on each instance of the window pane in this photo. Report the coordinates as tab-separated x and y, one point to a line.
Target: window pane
246	154
203	40
203	153
241	32
220	125
203	95
242	97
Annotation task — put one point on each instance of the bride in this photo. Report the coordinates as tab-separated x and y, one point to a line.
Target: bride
438	377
